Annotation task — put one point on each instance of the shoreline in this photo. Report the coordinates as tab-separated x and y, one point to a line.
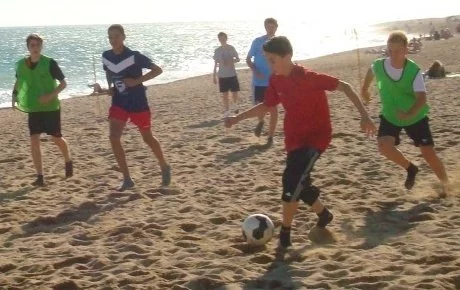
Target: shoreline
417	24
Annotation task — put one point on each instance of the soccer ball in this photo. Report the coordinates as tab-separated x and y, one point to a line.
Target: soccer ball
258	229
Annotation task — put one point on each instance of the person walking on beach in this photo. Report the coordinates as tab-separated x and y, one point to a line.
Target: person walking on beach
261	72
129	100
36	93
307	127
404	106
225	57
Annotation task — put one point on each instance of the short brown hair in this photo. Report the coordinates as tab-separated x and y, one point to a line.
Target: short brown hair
117	27
270	21
222	34
398	37
34	36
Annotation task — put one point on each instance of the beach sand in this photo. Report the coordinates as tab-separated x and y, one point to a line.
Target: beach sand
81	233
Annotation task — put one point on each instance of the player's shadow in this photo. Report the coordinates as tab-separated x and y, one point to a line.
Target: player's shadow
81	213
389	222
205	124
16	195
279	272
248	152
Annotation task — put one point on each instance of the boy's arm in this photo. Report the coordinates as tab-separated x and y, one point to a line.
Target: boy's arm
420	101
214	72
365	95
253	112
153	73
236	56
249	57
14	94
366	123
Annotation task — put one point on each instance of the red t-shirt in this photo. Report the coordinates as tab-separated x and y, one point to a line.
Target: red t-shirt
307	121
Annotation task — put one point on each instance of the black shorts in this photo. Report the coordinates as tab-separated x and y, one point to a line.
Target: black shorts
45	122
229	84
259	94
296	178
419	132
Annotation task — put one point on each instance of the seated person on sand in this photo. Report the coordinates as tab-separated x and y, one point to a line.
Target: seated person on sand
436	70
97	89
415	45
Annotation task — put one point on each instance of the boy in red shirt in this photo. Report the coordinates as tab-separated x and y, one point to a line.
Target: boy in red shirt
307	126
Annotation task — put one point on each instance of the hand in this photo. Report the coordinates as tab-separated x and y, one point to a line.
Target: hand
366	96
368	126
45	99
214	80
130	82
230	121
402	115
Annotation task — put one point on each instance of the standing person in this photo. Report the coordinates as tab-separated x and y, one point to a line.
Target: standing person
36	92
123	68
307	127
261	72
225	57
404	106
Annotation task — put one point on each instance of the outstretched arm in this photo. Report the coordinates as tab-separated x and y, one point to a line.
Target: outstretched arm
365	95
253	112
366	123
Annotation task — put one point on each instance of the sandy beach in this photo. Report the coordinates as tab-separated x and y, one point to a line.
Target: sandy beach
82	233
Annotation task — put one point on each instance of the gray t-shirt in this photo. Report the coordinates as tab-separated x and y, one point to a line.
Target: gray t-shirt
224	57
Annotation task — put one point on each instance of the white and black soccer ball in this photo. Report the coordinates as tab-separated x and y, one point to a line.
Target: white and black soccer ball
258	229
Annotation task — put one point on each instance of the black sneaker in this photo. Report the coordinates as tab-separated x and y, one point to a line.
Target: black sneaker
270	141
412	171
68	169
40	181
285	237
324	218
258	129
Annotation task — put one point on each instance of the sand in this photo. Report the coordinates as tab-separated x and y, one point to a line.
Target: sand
81	233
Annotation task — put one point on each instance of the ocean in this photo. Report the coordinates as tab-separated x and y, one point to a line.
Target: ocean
183	50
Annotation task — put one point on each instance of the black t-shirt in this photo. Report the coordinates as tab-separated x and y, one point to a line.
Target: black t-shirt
55	70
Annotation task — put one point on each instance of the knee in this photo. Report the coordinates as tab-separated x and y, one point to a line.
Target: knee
114	138
310	195
385	147
35	139
427	152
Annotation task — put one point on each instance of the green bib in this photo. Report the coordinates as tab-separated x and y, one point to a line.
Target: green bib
34	83
398	95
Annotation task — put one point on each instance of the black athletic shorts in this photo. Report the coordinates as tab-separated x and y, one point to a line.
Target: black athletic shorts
419	132
229	84
259	94
296	178
45	122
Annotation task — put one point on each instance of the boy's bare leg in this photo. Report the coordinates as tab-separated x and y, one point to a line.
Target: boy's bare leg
388	149
116	130
155	146
435	163
63	146
37	159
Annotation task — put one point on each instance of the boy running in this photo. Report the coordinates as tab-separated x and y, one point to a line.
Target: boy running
36	93
129	101
225	57
307	126
261	72
404	106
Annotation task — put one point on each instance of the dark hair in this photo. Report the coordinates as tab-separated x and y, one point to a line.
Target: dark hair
279	45
33	36
397	37
222	34
270	20
117	27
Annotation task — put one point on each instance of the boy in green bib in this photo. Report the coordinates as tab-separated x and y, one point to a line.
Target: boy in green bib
36	93
403	106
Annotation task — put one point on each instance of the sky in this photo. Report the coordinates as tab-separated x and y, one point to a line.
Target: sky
70	12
